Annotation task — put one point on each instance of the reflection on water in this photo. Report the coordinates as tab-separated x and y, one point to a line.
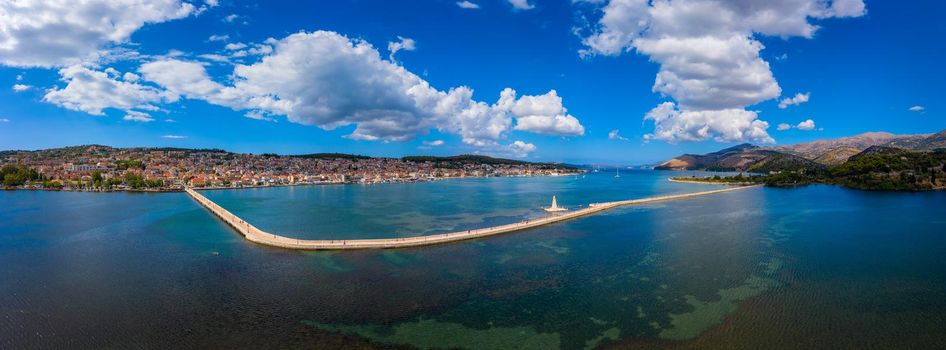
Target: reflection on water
814	267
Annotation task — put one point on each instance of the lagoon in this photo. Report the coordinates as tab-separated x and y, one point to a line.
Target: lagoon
811	267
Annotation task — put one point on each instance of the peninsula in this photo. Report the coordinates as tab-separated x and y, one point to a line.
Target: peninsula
872	161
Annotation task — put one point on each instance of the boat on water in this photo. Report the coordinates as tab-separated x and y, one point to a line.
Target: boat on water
617	172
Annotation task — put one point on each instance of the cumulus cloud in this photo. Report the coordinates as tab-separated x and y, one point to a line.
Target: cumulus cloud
727	125
92	91
434	143
57	33
545	114
806	125
710	65
234	46
21	87
521	4
231	18
516	149
406	44
328	80
798	99
917	108
130	77
467	5
521	149
615	135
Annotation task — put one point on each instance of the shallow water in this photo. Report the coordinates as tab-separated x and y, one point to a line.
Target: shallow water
812	267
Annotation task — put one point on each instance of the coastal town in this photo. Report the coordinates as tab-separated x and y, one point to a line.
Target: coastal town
103	168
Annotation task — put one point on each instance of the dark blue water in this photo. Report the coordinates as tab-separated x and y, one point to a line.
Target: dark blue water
811	267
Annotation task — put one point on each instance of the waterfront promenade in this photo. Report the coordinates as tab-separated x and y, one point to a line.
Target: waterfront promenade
256	235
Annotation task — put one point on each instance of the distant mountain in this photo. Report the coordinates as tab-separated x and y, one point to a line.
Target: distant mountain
932	142
815	149
813	156
733	158
837	156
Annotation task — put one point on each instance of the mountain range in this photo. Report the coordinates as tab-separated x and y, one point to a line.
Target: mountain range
815	155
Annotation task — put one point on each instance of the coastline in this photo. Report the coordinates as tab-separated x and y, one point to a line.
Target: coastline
176	190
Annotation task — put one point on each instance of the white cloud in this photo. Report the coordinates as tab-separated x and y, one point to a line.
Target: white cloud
709	64
544	114
4	120
230	18
521	4
173	137
234	46
325	79
917	108
434	143
92	91
57	33
130	77
728	125
406	44
212	3
21	87
615	135
137	116
467	5
259	116
19	77
798	99
215	57
218	37
516	149
521	149
806	125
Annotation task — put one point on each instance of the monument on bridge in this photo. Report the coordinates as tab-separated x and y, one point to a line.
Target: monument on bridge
554	208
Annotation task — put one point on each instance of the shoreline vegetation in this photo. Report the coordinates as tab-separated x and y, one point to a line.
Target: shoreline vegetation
881	169
907	163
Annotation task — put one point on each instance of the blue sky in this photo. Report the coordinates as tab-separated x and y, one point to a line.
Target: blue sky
861	66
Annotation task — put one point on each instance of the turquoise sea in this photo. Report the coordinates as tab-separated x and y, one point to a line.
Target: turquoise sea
816	267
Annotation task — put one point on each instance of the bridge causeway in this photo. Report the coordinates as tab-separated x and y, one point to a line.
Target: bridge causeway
256	235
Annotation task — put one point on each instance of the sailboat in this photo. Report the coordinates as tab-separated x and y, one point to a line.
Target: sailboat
617	172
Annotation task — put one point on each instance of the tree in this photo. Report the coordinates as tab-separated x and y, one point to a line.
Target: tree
97	178
134	181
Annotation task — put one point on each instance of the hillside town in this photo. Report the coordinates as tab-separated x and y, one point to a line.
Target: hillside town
103	168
